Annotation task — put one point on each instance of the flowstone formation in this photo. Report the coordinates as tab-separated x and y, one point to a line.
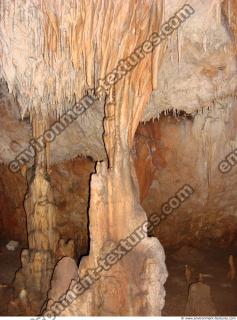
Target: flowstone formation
134	284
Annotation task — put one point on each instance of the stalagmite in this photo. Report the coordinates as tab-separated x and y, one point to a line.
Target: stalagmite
65	272
188	273
232	269
200	301
39	260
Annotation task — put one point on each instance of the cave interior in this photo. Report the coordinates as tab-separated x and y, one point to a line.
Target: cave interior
118	158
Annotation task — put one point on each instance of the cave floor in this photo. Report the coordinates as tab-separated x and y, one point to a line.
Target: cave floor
213	262
9	263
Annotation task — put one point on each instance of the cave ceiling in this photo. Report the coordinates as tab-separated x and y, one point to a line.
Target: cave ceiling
47	63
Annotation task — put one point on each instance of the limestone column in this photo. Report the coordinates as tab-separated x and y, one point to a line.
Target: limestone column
33	279
134	285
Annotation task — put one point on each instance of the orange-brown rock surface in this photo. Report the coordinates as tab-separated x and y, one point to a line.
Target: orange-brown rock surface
188	83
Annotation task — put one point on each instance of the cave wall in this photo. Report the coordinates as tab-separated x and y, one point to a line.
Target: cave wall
70	183
184	154
12	216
